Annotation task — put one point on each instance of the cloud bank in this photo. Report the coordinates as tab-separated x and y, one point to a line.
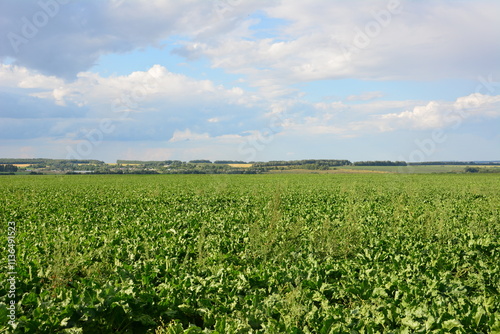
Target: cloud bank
51	96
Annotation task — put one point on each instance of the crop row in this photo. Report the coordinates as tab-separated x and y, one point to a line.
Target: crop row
254	254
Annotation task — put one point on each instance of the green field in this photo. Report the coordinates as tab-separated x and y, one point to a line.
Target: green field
329	253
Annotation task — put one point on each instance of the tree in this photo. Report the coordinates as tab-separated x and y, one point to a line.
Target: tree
471	170
8	168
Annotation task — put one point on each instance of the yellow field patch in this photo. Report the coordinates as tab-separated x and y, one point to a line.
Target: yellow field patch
240	165
22	165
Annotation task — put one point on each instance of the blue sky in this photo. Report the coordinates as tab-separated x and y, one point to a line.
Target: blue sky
250	80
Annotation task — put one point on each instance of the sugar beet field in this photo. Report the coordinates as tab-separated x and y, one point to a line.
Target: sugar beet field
341	253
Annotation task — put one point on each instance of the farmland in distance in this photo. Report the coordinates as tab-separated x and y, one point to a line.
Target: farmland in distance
326	253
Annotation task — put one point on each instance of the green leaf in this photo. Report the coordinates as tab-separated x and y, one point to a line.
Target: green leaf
451	324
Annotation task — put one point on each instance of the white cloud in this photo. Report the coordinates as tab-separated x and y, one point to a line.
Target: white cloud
129	91
144	105
79	32
350	39
213	120
358	120
436	114
188	135
315	40
173	101
18	76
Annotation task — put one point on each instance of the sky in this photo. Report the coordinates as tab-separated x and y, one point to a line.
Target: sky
250	80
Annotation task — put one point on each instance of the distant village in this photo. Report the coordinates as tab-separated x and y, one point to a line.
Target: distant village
65	166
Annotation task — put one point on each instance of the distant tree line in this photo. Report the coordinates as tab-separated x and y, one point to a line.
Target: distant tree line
380	163
200	162
323	162
138	171
149	163
8	168
219	162
227	162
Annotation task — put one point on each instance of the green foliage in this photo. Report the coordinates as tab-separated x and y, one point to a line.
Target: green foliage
471	170
326	254
225	162
380	163
200	162
8	168
301	163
